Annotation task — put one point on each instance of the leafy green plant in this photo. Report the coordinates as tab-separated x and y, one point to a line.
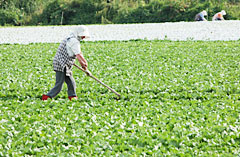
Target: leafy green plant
178	99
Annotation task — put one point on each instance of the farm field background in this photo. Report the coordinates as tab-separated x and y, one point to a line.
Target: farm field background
178	98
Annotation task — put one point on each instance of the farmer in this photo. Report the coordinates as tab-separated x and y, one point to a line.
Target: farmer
219	16
67	52
200	16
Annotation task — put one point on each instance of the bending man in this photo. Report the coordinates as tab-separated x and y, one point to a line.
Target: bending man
219	16
200	16
67	52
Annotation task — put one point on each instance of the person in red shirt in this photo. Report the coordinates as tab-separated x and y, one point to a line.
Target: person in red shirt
219	16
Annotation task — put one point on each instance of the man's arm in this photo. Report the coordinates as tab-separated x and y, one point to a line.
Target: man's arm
82	61
75	49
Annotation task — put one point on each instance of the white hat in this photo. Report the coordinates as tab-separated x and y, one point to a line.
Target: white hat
204	12
81	31
223	12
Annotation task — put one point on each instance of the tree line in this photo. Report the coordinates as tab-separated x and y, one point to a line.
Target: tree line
69	12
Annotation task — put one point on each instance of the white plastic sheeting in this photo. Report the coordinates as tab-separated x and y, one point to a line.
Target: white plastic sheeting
209	30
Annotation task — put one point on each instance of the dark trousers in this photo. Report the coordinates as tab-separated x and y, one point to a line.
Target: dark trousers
60	79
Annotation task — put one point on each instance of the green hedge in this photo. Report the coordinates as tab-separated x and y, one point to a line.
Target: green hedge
11	17
68	12
90	12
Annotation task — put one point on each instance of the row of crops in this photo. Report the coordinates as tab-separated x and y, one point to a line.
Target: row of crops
178	98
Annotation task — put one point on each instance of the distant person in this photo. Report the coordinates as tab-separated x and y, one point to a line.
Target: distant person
200	16
68	50
219	16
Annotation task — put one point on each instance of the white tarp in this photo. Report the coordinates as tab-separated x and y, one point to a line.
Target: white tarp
209	30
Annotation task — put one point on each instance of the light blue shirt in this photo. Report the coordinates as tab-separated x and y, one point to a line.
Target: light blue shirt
73	47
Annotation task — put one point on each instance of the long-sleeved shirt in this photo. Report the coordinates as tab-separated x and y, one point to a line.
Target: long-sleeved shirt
200	17
73	47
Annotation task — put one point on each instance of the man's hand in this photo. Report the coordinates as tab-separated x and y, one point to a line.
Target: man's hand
88	72
84	65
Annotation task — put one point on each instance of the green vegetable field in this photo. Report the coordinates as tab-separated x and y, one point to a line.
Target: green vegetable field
179	98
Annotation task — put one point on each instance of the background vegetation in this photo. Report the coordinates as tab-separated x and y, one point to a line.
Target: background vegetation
57	12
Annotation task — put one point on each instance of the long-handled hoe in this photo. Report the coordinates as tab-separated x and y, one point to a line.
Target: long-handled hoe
98	81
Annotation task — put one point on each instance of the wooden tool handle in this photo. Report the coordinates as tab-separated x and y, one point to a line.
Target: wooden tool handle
98	80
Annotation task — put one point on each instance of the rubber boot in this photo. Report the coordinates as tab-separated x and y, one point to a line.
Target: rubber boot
45	97
72	97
